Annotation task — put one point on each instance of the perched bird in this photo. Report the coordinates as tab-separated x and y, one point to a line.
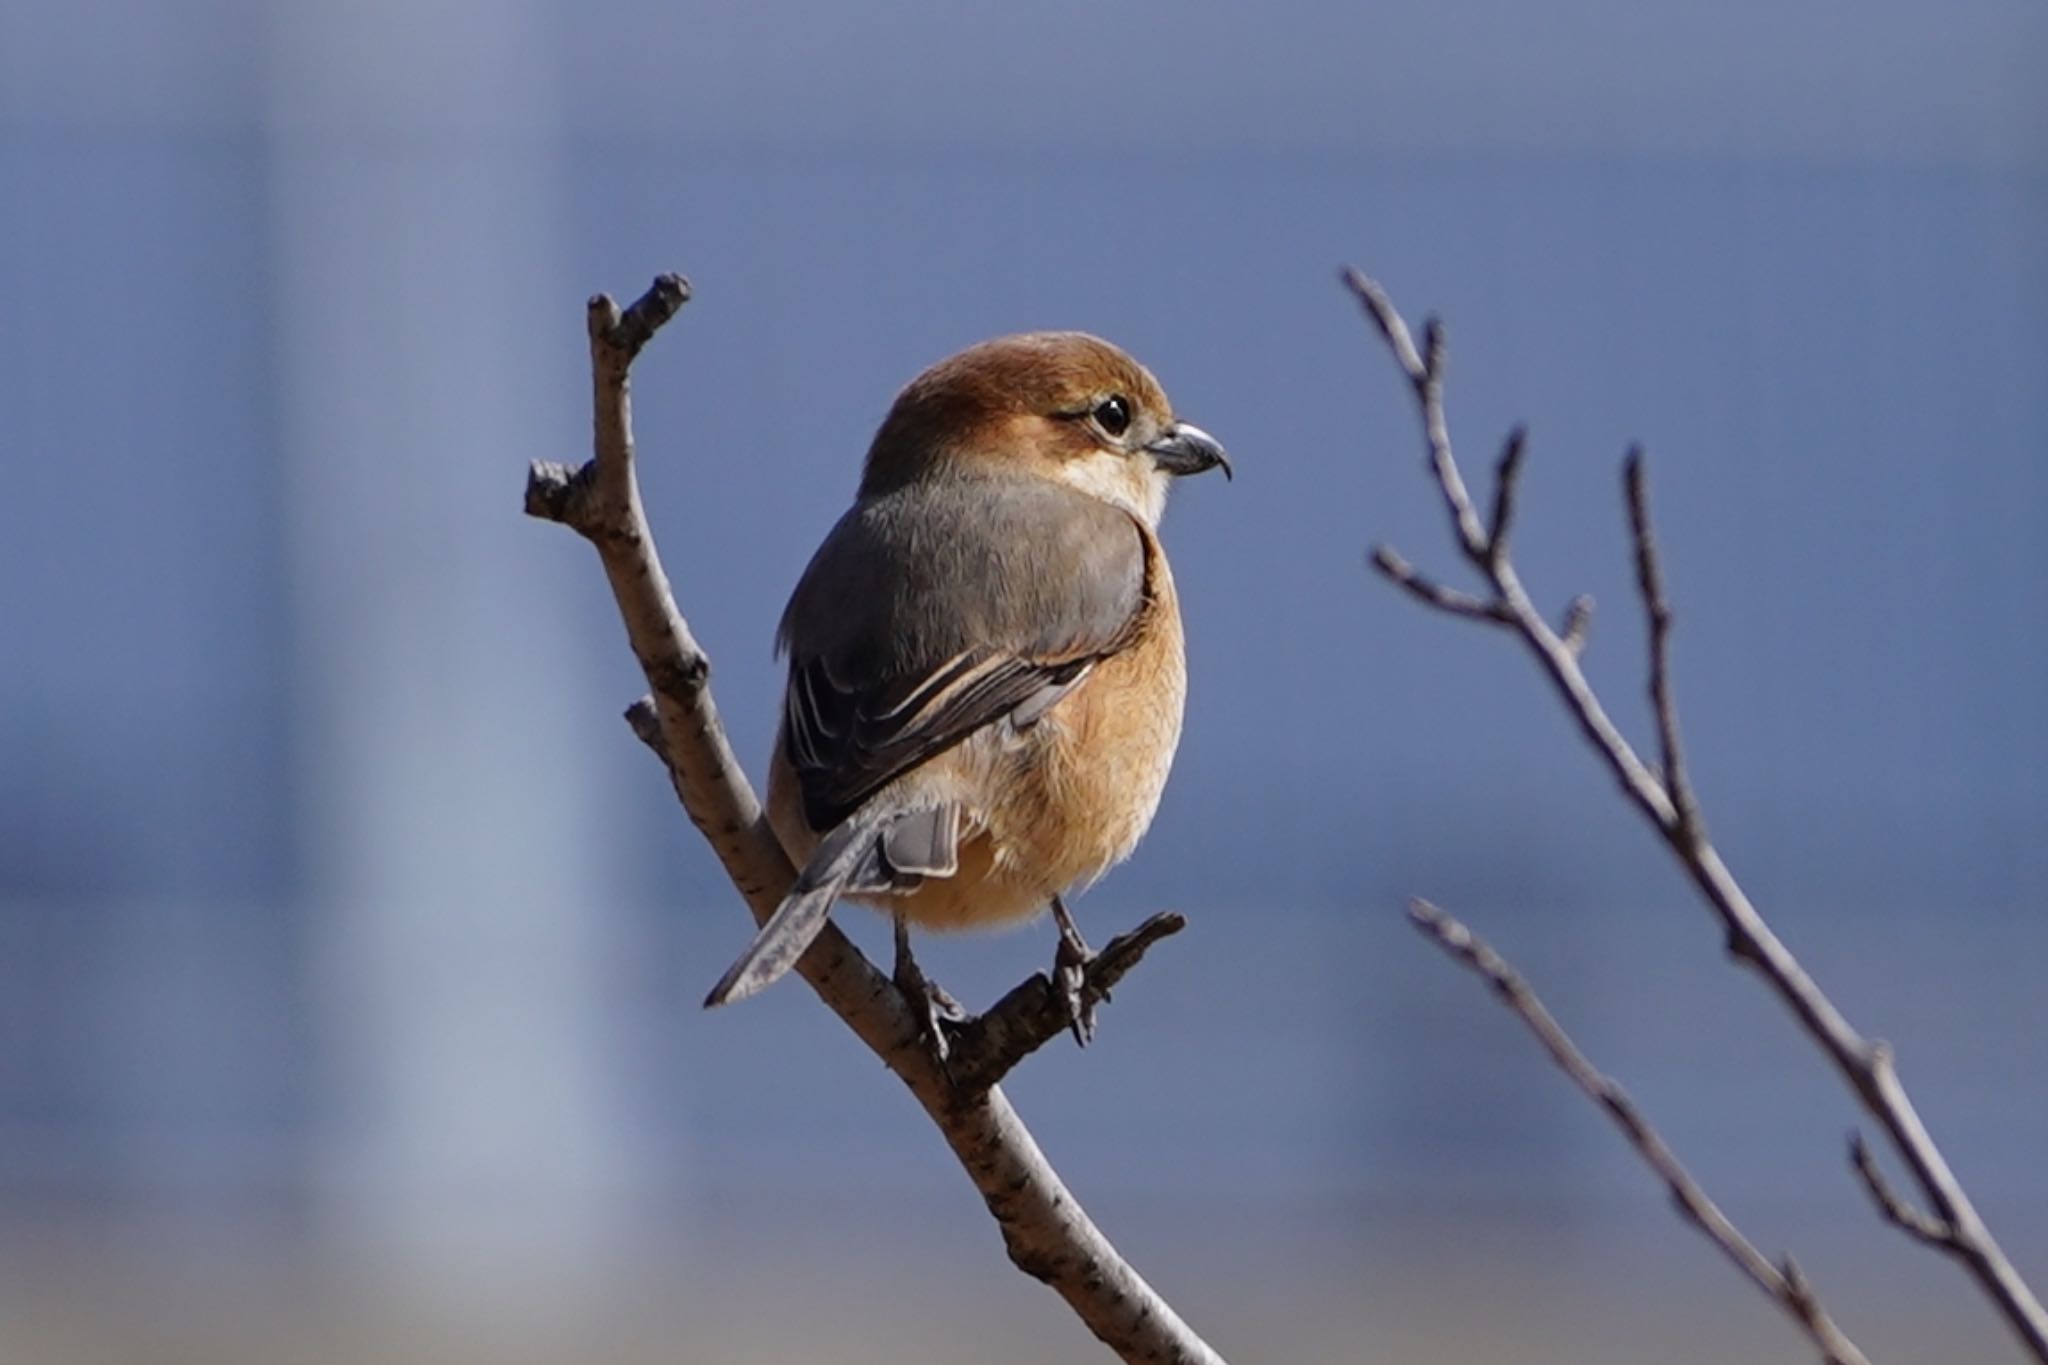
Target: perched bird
986	671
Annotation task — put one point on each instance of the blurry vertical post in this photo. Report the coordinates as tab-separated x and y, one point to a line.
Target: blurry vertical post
417	221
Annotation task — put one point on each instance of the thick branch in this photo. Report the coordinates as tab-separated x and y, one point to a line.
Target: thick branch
1865	1066
1782	1283
1047	1233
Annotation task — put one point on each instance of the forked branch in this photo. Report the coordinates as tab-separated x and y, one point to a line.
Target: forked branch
1046	1231
1666	800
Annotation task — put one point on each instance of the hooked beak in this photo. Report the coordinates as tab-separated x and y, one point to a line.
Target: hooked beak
1187	449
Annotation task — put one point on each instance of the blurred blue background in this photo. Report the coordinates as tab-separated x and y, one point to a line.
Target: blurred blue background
350	949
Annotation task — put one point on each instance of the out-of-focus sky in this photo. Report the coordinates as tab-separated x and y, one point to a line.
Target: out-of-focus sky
339	913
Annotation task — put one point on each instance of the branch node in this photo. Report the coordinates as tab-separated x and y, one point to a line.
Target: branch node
558	493
680	677
1578	625
630	331
1434	349
645	723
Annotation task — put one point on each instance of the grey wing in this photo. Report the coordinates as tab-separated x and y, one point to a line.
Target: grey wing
930	613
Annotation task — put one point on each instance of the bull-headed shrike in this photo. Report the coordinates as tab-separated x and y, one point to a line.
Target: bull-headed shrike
986	670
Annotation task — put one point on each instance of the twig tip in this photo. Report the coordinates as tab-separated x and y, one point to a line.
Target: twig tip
1441	925
1376	300
1578	624
1165	922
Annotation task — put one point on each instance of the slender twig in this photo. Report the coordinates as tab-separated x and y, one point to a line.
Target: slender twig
1781	1281
1507	476
1895	1209
1411	580
1379	306
1866	1066
1657	607
1425	371
989	1044
1046	1231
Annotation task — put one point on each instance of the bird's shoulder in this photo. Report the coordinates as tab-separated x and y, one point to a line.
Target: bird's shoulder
921	572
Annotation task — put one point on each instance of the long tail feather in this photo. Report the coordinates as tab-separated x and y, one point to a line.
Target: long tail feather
803	912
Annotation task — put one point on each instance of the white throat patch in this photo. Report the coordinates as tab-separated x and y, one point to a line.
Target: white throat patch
1131	482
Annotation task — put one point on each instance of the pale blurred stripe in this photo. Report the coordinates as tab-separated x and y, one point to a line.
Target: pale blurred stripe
472	1135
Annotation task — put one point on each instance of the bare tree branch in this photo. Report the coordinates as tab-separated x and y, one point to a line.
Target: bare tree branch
1896	1210
1507	475
1782	1283
1866	1066
1435	594
1047	1233
1650	583
1425	371
988	1045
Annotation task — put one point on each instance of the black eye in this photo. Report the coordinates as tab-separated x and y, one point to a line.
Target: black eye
1113	415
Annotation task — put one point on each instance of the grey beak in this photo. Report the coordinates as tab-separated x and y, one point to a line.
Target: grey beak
1187	449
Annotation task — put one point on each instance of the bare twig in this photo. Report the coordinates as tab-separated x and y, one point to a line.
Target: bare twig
1896	1210
1393	327
1782	1282
1650	583
1866	1067
1047	1233
988	1045
1425	371
1412	580
1507	475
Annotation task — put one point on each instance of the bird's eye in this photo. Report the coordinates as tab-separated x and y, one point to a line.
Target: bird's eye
1113	415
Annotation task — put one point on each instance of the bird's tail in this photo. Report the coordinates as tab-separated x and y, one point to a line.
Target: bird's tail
838	864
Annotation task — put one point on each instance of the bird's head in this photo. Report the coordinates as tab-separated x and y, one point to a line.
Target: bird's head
1058	405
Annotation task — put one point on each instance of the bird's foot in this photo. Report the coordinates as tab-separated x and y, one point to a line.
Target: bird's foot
1070	974
928	1001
